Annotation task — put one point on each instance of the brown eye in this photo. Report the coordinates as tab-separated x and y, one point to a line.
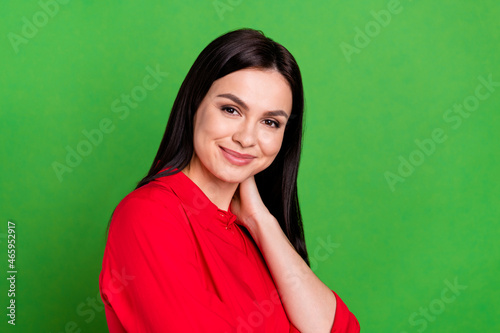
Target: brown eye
229	110
272	123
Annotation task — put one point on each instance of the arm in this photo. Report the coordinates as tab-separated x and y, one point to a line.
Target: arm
308	302
151	277
310	305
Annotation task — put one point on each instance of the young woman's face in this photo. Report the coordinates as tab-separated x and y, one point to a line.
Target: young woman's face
239	125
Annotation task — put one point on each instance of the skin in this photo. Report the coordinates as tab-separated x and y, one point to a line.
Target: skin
222	124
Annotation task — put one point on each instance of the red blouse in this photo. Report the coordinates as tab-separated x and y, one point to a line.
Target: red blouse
174	262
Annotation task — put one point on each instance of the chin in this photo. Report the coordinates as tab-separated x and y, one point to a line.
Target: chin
231	177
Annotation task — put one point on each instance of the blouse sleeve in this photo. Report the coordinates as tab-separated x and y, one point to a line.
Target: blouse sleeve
344	321
150	280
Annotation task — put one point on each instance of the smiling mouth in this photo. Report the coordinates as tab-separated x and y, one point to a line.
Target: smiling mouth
235	157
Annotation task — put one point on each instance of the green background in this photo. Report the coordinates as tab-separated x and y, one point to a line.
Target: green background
395	246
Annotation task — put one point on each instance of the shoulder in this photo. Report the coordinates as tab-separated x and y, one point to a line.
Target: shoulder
151	207
147	227
152	196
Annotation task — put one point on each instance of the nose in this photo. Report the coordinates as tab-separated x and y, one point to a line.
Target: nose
245	135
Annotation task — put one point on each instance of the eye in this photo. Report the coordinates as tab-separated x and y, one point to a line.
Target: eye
229	110
272	123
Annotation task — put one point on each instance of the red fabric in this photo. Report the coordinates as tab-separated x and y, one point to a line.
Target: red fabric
174	262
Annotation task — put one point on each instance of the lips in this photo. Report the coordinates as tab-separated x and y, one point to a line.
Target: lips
236	158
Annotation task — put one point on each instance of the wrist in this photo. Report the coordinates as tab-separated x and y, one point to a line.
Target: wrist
258	224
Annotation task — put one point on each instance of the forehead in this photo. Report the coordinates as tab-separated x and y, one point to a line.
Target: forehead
258	88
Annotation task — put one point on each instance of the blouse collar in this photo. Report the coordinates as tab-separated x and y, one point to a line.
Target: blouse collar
196	200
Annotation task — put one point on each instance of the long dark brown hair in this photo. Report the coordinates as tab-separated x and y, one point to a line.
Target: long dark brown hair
235	50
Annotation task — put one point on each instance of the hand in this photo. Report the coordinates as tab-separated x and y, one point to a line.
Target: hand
247	204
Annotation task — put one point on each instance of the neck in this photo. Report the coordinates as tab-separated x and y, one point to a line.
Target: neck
219	192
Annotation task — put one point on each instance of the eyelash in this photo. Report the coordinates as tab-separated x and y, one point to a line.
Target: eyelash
275	124
225	108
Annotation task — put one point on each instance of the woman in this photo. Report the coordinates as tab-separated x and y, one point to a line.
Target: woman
211	239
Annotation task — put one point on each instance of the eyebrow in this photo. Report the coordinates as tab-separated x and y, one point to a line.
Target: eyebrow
237	100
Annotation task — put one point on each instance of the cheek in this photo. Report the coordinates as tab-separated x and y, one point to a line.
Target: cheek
270	143
212	126
209	127
200	132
